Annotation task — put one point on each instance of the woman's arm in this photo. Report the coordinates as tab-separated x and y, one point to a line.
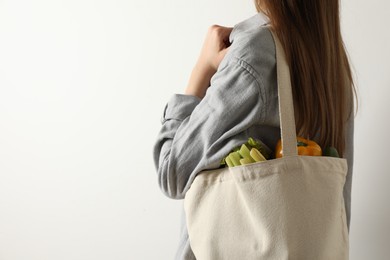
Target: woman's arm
195	131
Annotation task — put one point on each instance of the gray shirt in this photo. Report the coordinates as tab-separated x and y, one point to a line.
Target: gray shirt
241	102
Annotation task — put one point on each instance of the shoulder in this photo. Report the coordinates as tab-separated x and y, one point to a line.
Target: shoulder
252	43
253	47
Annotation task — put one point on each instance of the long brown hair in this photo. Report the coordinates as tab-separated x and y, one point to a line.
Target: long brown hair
321	78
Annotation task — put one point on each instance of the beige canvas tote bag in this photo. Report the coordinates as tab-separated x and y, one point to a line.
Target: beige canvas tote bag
285	208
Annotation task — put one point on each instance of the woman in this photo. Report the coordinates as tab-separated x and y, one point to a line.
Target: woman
232	95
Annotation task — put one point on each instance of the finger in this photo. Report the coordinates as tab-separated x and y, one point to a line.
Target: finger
226	35
226	31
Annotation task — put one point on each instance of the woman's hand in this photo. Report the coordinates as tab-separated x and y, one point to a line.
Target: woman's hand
215	46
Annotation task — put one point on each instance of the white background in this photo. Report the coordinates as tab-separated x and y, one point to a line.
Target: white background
83	85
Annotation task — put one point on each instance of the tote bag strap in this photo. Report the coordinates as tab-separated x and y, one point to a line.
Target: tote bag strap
286	105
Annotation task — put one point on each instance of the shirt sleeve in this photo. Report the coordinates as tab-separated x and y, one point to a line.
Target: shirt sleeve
195	130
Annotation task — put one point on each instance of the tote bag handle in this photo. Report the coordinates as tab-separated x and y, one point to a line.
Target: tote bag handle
286	105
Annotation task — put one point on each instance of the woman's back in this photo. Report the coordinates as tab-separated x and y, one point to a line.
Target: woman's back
252	43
